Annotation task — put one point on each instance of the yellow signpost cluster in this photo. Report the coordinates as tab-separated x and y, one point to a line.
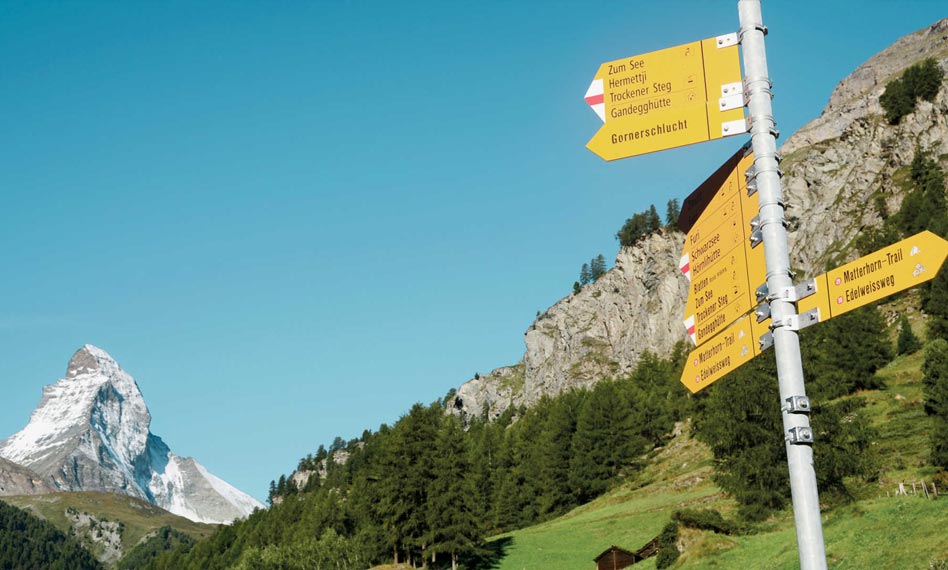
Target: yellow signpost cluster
668	98
718	258
870	278
693	93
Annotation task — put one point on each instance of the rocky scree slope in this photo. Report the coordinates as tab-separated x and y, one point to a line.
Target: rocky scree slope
90	432
834	166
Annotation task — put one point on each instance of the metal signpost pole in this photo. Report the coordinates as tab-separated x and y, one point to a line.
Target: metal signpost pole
795	406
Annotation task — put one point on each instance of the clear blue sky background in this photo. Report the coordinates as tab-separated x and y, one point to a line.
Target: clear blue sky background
291	221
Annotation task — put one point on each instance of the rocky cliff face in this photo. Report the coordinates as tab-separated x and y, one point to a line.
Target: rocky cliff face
18	480
838	163
90	432
834	167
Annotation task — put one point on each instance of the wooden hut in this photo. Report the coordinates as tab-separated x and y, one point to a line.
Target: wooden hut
615	558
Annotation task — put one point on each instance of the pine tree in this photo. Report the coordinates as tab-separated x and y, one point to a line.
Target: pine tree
654	223
451	512
597	267
740	421
406	465
907	342
935	304
654	394
935	380
896	101
842	355
923	80
554	452
584	275
634	229
672	213
605	441
272	493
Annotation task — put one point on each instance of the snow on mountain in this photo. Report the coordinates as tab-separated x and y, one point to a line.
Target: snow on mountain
90	432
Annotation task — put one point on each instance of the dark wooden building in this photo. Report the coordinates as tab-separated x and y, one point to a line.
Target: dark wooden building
616	558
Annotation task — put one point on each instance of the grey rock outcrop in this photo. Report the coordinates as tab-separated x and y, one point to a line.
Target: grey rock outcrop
18	480
835	166
603	331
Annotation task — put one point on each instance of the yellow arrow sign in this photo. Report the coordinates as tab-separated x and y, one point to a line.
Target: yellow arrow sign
719	297
660	130
889	270
718	259
729	349
667	98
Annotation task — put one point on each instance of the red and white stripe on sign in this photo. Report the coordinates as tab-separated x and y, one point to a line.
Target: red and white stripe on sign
690	325
594	96
685	265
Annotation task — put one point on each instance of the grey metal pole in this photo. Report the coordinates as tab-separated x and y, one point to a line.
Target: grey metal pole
795	406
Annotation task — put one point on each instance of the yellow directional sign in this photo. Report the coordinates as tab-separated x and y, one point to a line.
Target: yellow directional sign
889	270
719	296
728	350
659	131
667	98
723	268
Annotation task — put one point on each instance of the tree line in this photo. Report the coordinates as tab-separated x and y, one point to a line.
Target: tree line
635	229
28	542
429	489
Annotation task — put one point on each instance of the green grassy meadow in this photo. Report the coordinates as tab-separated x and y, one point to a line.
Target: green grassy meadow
877	530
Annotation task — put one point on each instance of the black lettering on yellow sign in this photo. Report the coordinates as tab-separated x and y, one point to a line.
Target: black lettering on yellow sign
664	128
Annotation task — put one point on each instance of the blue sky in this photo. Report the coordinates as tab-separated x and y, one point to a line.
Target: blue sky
290	221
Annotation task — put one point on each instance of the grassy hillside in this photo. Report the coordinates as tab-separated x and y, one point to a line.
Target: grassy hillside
879	530
135	518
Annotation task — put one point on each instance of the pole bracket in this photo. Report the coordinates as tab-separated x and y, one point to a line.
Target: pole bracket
737	127
756	238
797	322
766	341
797	292
731	102
800	435
797	405
761	292
757	27
762	312
728	40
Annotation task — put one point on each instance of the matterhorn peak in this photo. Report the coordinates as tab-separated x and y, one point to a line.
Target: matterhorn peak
91	432
89	360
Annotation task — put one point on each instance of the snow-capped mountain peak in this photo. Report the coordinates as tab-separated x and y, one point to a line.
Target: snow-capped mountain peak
90	431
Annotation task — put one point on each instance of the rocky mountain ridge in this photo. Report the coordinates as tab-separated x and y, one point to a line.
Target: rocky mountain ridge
834	166
18	480
90	432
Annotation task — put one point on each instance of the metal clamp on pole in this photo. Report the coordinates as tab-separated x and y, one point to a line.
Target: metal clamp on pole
762	312
797	322
761	292
797	292
756	238
800	435
797	405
